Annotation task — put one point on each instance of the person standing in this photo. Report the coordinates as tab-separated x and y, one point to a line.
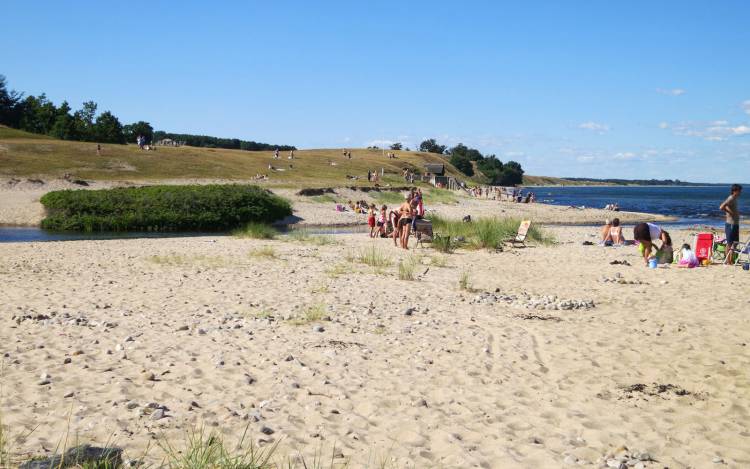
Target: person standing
732	222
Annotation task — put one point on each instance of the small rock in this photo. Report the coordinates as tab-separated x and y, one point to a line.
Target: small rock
131	405
318	328
717	460
183	328
569	459
67	360
68	394
158	414
267	430
149	376
289	358
409	311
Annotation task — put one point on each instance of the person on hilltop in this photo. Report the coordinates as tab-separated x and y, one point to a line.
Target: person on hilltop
646	234
732	225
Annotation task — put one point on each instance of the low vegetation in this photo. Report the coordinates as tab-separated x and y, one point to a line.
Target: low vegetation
373	257
173	260
464	281
256	230
406	267
162	208
305	236
312	313
483	233
265	251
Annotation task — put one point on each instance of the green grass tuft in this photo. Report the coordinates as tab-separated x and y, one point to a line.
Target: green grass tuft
406	268
264	251
256	231
464	281
482	233
387	197
373	257
313	313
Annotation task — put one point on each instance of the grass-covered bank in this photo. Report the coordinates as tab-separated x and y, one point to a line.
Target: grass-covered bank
162	208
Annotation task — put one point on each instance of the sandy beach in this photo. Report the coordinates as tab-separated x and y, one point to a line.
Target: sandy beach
550	357
19	205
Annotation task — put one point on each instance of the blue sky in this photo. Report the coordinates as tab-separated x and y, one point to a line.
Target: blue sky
588	88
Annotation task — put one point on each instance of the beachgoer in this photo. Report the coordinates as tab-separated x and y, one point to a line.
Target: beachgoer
615	232
276	154
404	221
605	231
732	225
647	233
98	149
371	220
382	219
393	218
687	258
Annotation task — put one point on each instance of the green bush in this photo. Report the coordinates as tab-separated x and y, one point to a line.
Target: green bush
162	208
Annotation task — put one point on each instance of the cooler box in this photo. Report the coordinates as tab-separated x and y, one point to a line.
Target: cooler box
704	243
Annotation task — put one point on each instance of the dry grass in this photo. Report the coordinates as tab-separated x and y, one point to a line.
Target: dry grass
267	252
312	313
179	260
33	155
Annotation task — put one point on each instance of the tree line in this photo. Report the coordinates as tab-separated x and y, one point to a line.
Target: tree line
465	159
39	115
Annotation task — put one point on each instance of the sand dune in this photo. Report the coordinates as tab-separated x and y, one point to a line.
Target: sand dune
211	331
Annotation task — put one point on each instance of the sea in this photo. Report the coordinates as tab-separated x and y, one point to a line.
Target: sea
691	205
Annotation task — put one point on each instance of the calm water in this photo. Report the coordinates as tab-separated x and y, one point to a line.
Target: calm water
693	205
32	234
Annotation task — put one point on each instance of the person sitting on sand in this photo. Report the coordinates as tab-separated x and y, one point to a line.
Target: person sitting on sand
615	232
604	232
405	220
371	220
646	234
687	258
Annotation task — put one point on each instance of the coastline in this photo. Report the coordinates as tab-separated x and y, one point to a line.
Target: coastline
19	205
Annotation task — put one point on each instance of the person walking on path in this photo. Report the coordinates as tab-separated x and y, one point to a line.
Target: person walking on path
732	225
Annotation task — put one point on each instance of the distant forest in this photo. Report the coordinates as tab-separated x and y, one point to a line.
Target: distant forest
216	142
641	182
39	115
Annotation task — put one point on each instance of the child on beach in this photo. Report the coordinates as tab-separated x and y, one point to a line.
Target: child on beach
382	218
687	259
371	219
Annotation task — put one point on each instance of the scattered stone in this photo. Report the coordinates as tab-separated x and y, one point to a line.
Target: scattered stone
131	405
183	328
289	358
158	414
409	311
80	456
68	394
318	328
718	460
149	376
67	360
524	300
266	430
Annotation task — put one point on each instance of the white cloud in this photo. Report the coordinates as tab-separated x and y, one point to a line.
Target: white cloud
594	127
585	159
715	131
663	125
746	106
671	91
627	155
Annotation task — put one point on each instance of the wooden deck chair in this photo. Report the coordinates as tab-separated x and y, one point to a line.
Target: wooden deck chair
520	239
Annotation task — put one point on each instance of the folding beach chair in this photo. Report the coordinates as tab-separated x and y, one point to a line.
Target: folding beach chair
703	247
523	231
423	231
741	249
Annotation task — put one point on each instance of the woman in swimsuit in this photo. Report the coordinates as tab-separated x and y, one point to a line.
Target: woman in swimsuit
404	221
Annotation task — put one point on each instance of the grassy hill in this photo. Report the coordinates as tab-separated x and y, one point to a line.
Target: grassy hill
27	155
23	154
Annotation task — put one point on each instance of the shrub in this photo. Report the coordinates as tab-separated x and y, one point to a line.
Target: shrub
162	208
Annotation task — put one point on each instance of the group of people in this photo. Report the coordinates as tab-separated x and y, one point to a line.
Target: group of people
142	142
399	222
647	234
613	207
277	156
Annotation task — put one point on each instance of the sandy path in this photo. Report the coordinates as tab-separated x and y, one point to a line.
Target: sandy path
460	381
